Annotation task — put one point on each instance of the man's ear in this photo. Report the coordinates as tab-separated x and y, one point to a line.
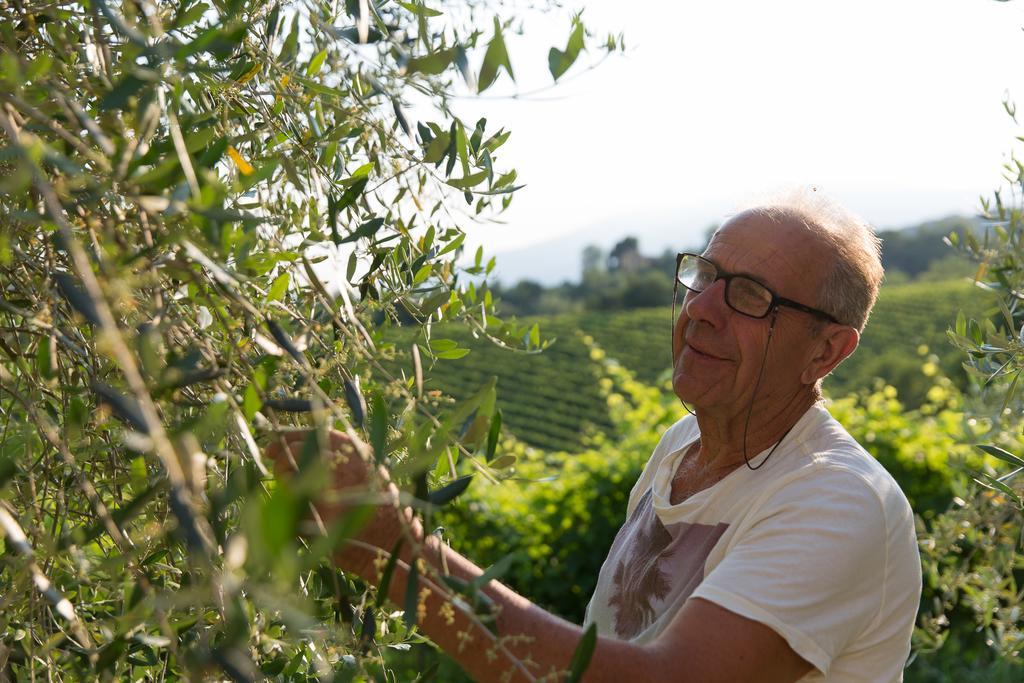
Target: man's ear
834	344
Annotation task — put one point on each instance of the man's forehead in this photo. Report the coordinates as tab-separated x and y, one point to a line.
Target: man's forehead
768	228
768	247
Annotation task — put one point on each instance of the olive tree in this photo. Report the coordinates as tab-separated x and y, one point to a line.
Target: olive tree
215	217
970	625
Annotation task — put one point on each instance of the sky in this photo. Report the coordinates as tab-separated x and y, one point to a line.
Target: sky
894	108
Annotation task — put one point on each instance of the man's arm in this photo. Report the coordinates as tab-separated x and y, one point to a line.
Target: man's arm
704	642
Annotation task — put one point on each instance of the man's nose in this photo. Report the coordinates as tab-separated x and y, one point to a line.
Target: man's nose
709	305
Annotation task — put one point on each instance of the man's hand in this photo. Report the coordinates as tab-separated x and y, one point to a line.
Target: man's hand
352	480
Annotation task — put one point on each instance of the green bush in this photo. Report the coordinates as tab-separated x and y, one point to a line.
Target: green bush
922	448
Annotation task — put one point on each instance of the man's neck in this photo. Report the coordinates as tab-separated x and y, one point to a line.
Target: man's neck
722	436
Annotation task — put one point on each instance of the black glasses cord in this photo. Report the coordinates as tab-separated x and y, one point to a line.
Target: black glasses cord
757	385
750	410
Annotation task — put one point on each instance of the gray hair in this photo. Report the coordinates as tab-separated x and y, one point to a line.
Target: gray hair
851	284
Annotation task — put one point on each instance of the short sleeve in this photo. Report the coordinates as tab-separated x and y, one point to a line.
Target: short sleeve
809	564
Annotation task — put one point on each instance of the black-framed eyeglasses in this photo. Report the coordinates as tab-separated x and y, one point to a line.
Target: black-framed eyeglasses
743	293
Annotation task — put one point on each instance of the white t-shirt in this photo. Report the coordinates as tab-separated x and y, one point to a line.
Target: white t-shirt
818	544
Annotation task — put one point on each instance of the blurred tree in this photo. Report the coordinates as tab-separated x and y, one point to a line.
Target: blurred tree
917	249
646	289
594	263
625	256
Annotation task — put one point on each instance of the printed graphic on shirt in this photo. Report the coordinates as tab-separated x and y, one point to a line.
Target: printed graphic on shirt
656	564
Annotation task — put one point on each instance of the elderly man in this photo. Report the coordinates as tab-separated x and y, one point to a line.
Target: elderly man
762	542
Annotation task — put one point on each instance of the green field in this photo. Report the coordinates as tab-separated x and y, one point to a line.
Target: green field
551	400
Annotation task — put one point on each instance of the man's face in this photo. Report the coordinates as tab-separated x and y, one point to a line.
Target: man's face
718	352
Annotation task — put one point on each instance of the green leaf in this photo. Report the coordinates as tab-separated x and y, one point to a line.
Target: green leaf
289	405
117	98
389	570
38	66
476	427
453	245
493	435
449	491
290	47
494	572
315	63
997	452
77	297
191	15
262	172
433	63
8	468
559	61
453	354
504	180
367	229
355	401
495	58
990	482
351	194
462	146
362	172
125	408
283	340
443	344
412	595
368	629
437	148
379	427
77	417
582	655
278	287
45	362
434	301
462	62
279	517
478	133
400	117
251	402
469	181
319	88
503	461
352	35
419	9
453	148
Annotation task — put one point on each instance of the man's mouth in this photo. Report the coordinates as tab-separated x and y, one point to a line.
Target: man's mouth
702	353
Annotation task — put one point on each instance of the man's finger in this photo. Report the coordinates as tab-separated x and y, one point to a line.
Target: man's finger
286	447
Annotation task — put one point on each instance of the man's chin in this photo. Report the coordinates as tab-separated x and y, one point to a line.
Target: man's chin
684	391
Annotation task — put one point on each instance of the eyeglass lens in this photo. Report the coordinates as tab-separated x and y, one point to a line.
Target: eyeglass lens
741	294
